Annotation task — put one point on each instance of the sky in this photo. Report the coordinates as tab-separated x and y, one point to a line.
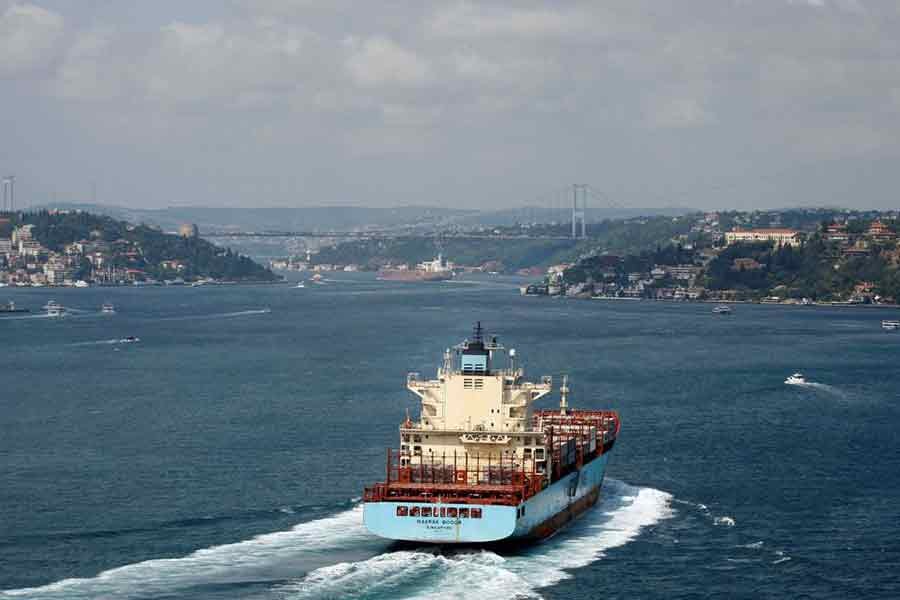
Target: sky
701	103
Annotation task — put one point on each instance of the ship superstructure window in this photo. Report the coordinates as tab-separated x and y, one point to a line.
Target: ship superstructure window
451	512
479	384
468	384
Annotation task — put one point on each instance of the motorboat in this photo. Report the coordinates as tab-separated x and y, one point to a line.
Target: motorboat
55	309
722	309
890	325
795	379
129	339
301	284
108	309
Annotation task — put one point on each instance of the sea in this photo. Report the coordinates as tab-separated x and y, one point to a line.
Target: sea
223	455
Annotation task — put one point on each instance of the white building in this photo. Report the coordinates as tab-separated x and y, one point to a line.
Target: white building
780	237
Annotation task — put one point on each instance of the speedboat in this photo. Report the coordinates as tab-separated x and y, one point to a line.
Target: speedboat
301	284
130	339
108	309
795	379
722	309
890	325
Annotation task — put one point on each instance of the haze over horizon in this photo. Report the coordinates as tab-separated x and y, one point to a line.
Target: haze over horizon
279	103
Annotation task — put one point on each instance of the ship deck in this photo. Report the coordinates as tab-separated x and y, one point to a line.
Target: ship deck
494	479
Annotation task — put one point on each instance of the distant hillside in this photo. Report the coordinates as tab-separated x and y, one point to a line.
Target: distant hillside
96	242
314	218
342	218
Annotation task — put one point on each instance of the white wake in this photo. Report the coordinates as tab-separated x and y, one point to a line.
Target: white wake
256	558
429	574
313	550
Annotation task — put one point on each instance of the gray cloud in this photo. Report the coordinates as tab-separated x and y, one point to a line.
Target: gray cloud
292	102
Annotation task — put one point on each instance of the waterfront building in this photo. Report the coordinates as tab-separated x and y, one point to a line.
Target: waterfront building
880	232
837	232
778	236
683	272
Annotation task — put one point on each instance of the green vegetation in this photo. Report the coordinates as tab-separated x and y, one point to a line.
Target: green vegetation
546	245
142	247
512	254
818	270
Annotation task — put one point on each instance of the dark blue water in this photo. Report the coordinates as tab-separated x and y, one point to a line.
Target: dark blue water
223	456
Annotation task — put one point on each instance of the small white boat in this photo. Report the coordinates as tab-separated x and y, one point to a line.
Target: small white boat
301	284
129	340
722	309
317	279
108	309
795	379
55	309
890	325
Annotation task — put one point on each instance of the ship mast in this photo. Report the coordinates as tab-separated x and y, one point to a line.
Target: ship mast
564	396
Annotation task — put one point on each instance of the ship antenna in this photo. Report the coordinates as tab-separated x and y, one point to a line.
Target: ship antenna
477	332
564	395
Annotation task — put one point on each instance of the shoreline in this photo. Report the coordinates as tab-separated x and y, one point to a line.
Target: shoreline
756	302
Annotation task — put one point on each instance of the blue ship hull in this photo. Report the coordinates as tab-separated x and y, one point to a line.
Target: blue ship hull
538	517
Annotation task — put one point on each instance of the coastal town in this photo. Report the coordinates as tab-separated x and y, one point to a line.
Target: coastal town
75	249
842	261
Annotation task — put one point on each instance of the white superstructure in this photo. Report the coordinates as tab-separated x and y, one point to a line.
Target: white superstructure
473	409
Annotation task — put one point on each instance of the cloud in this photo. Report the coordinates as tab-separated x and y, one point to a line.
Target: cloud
379	60
541	91
29	39
464	20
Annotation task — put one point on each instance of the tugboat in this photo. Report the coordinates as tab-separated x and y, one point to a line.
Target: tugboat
480	465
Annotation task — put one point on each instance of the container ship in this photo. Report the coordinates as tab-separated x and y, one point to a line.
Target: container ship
438	269
480	465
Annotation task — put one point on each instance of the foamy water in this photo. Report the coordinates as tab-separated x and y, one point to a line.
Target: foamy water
619	518
230	563
424	573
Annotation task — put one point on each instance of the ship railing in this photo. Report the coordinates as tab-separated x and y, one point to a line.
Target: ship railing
488	478
576	438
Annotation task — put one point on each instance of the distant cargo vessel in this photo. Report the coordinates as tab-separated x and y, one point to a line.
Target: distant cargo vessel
438	269
480	466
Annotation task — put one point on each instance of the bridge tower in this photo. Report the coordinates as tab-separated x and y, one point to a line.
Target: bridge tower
579	211
9	193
